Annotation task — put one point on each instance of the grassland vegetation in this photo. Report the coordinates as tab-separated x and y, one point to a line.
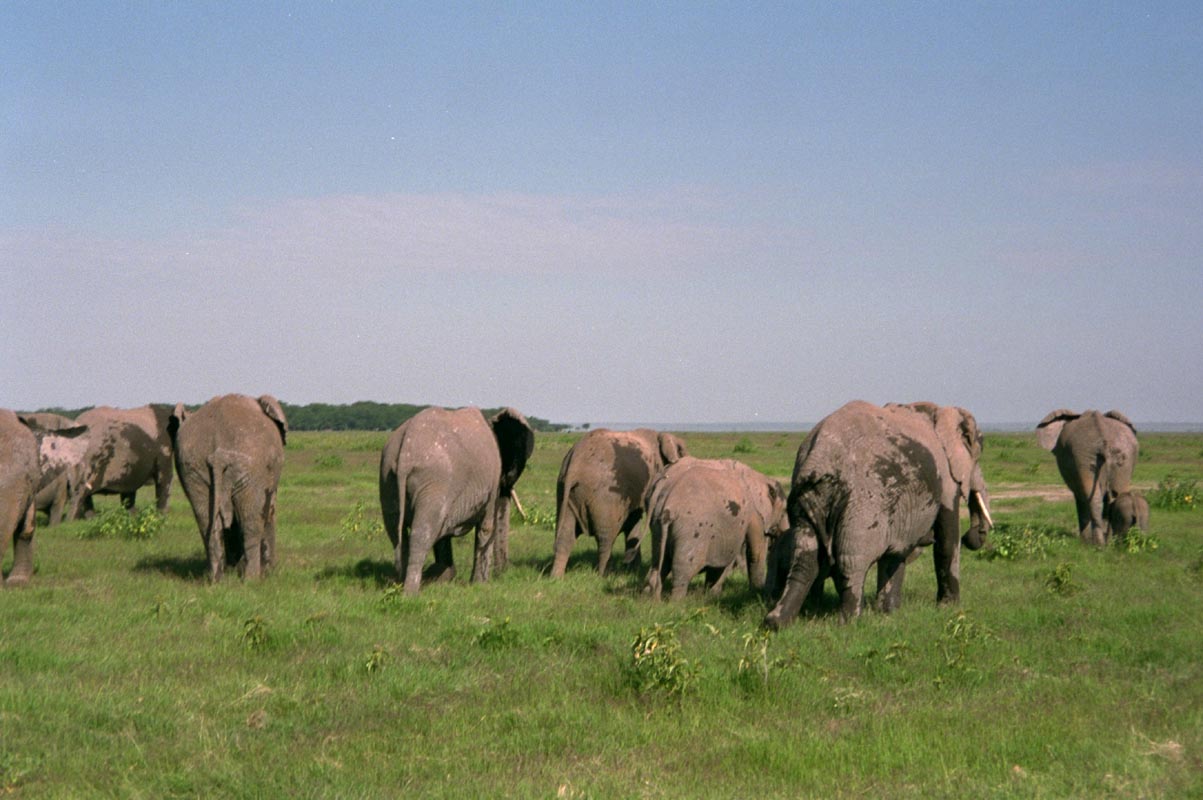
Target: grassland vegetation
1066	670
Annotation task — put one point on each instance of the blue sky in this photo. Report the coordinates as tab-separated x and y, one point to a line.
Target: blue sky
670	212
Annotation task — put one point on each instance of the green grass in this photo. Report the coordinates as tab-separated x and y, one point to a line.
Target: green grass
126	675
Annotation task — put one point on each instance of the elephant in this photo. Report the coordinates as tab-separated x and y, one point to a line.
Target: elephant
870	485
1095	455
704	514
61	451
444	472
127	448
1125	511
601	490
229	454
19	476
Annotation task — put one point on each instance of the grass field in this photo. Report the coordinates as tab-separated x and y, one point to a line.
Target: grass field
1065	672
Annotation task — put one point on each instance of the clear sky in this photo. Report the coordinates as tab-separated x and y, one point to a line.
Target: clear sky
664	212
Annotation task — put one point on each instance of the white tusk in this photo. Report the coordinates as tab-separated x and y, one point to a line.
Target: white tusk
521	510
985	511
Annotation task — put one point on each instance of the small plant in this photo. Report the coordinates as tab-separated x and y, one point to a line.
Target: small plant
122	524
1060	580
496	635
254	633
959	637
355	526
375	660
540	517
744	445
755	665
328	461
1175	494
1135	540
1196	567
392	594
657	663
1009	541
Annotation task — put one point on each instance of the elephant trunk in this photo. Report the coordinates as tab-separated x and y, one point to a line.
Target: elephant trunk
980	521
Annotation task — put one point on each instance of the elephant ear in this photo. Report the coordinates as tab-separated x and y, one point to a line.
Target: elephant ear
1049	428
672	449
515	443
178	415
962	442
272	408
1119	417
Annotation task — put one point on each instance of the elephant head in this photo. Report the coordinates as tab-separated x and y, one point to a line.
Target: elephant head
672	449
515	443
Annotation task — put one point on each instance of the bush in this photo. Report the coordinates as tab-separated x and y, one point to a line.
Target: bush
657	663
1174	494
118	522
1010	541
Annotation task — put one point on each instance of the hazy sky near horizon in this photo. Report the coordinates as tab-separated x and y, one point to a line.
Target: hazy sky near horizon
675	212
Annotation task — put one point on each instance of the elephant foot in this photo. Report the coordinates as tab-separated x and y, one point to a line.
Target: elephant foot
437	573
16	581
773	621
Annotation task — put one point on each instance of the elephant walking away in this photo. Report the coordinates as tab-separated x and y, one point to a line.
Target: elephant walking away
443	473
707	514
18	481
1096	454
1127	510
230	453
870	485
127	448
602	487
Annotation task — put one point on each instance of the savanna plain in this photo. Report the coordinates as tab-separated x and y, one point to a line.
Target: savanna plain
1066	671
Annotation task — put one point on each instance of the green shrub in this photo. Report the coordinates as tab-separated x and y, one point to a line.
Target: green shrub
539	517
657	663
1060	581
355	526
744	445
496	635
328	461
1135	540
960	637
1175	494
254	633
375	660
122	524
1010	541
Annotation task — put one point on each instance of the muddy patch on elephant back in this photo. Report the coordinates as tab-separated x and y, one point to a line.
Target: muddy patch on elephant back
631	473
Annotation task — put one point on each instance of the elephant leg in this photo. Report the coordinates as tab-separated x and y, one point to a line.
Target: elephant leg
1100	530
269	530
501	534
890	572
163	477
128	500
54	514
482	562
633	542
946	552
22	569
567	531
424	532
716	577
251	514
605	546
804	569
443	568
850	583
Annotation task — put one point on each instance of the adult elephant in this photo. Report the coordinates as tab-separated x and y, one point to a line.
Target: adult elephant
18	482
127	448
601	490
1095	454
62	445
711	514
444	472
230	453
870	485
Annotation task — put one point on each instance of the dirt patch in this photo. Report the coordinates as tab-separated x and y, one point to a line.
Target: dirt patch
1049	494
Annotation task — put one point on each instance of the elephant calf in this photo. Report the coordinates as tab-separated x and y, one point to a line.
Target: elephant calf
1127	510
705	514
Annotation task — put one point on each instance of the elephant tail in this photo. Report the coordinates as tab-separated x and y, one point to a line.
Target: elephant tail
569	518
220	495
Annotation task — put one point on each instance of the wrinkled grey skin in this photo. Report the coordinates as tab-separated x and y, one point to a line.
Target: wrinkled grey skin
602	487
127	448
870	485
1095	455
1126	511
18	481
704	514
229	454
443	473
62	446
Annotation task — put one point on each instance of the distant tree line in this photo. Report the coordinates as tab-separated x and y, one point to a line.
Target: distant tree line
362	416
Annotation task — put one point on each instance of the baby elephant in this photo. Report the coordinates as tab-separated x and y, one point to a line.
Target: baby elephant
1127	510
707	514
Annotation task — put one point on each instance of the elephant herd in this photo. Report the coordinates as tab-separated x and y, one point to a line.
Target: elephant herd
870	486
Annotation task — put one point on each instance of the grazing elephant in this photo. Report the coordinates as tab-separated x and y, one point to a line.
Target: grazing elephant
601	490
229	453
870	485
61	452
1125	511
704	514
443	473
1095	455
127	448
18	481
